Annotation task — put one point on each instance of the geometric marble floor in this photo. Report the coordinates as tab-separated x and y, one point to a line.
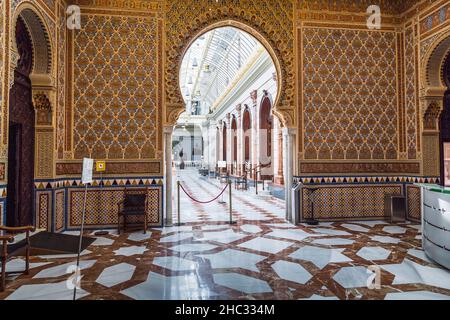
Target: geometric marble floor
261	257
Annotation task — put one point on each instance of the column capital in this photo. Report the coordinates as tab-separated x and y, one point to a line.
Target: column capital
290	131
254	96
168	129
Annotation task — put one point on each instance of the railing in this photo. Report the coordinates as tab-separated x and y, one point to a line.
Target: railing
189	164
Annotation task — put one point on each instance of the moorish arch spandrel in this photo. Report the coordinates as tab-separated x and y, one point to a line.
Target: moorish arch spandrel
271	22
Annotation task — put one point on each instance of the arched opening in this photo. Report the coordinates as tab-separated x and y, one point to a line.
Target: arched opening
445	127
265	138
21	134
29	109
223	75
246	128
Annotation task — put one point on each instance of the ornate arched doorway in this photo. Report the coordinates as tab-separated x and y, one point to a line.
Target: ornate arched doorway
21	135
31	96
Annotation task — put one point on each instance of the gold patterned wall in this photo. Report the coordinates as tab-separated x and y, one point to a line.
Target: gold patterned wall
115	87
349	94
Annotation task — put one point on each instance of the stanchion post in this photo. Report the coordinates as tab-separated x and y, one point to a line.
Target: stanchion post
231	203
178	203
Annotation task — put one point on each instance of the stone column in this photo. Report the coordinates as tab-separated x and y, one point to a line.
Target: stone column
289	149
279	179
229	142
168	130
240	134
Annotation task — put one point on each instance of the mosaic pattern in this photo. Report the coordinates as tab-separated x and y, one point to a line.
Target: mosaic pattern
411	94
189	263
116	56
2	62
44	154
61	102
414	203
355	69
43	210
348	202
59	210
102	209
435	19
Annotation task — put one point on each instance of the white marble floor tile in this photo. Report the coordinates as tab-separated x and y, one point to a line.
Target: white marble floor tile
159	287
394	229
373	253
193	247
18	265
102	241
266	245
291	234
416	295
250	228
116	274
371	223
166	230
215	227
226	236
175	263
291	271
354	277
332	232
62	256
242	283
355	227
130	251
62	269
281	225
334	241
411	272
50	291
384	239
139	236
320	256
231	258
176	237
419	254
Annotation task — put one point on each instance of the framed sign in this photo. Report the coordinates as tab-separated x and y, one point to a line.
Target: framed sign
100	166
88	168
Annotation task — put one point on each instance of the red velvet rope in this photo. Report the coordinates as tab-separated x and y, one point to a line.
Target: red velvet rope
203	202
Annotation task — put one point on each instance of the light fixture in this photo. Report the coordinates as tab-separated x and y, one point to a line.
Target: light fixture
190	80
187	92
194	63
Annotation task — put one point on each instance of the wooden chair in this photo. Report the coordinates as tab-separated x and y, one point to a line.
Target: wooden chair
241	183
10	249
134	203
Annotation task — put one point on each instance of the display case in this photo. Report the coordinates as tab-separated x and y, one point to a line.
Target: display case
436	223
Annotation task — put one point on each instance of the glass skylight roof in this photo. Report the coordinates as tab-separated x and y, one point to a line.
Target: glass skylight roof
212	63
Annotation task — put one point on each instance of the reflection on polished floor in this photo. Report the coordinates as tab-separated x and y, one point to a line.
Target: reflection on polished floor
260	257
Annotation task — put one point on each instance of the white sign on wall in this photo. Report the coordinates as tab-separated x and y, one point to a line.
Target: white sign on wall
88	168
222	164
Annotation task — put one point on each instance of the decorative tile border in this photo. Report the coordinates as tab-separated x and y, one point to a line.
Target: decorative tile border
54	199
